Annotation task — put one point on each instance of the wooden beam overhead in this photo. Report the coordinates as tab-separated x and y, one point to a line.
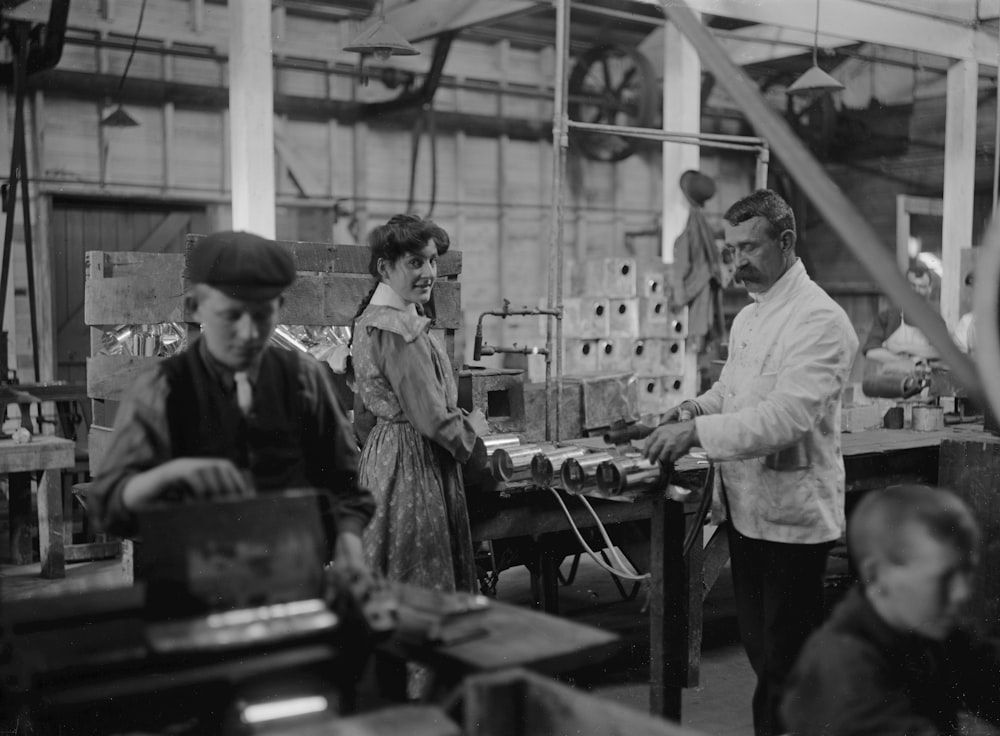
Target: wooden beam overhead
751	45
863	20
423	19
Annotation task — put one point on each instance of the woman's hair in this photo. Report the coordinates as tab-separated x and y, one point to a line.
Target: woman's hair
401	235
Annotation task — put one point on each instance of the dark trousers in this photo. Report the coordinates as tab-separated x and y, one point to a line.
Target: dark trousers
779	602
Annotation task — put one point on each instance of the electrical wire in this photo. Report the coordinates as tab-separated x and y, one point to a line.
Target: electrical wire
588	550
604	535
131	53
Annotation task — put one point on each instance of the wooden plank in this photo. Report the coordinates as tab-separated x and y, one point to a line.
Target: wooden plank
50	525
413	720
509	636
118	301
344	293
971	469
92	551
110	376
345	258
116	264
42	453
516	703
98	440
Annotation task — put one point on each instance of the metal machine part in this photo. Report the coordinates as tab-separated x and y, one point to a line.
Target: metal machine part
616	476
546	466
500	441
580	473
893	385
514	463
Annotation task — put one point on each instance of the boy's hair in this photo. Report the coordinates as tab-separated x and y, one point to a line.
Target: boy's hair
878	525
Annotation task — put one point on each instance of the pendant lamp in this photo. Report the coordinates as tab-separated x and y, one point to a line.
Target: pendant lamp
118	117
815	80
380	40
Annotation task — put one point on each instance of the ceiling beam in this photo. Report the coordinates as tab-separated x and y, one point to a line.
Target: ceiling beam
751	45
862	20
423	19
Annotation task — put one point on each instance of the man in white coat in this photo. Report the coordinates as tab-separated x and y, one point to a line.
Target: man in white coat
771	423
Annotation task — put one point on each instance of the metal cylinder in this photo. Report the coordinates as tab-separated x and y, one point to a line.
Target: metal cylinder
627	434
614	477
577	473
928	418
514	463
891	386
495	442
545	466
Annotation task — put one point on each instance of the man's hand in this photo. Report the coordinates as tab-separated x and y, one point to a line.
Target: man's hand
668	442
189	478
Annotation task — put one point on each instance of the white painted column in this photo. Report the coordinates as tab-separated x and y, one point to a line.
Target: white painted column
251	118
682	114
959	181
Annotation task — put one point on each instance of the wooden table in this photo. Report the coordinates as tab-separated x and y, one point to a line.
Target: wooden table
872	459
501	636
675	580
47	455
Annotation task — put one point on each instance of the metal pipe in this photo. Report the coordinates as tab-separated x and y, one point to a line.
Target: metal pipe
825	195
514	463
626	131
618	475
500	441
545	466
580	472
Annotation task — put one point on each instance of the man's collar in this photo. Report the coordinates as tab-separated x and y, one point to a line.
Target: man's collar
785	283
222	373
386	296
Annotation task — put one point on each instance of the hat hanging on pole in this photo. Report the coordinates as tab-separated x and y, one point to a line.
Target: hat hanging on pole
118	117
381	40
814	80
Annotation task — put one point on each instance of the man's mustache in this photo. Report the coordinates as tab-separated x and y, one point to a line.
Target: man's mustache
746	272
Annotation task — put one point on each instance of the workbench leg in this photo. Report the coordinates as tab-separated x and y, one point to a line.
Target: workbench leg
19	512
545	582
675	605
50	525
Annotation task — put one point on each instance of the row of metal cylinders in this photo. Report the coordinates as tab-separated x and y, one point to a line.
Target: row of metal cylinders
575	469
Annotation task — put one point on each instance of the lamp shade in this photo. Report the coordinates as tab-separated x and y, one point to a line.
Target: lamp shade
119	119
814	80
381	40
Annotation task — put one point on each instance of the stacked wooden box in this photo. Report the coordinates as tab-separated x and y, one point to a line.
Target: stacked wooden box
130	288
619	320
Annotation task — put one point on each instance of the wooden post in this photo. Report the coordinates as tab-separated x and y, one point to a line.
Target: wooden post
959	180
675	608
251	119
682	113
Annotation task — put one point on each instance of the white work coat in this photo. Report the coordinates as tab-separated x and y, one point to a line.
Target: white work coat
790	354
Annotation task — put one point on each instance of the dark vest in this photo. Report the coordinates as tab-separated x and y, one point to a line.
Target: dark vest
205	420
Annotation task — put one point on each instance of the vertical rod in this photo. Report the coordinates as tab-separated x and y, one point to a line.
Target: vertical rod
29	256
560	140
20	59
763	159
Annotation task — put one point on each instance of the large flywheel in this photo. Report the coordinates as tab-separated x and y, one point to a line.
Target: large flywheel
611	85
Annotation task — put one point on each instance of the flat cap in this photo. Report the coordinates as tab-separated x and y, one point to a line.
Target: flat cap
241	265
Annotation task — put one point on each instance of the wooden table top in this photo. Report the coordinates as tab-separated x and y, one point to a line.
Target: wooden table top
42	453
500	636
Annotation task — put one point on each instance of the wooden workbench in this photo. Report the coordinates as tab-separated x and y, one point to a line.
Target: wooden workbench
47	455
872	459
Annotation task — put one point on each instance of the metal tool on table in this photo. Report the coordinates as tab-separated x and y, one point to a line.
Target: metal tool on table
926	414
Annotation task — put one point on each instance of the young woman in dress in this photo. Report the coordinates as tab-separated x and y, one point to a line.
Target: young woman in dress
411	457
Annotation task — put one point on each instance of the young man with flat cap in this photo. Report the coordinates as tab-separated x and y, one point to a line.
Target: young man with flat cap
233	415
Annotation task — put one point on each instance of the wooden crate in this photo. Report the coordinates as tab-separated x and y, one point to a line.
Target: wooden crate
520	703
125	288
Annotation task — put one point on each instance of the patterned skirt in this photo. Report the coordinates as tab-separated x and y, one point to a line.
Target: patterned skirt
420	531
